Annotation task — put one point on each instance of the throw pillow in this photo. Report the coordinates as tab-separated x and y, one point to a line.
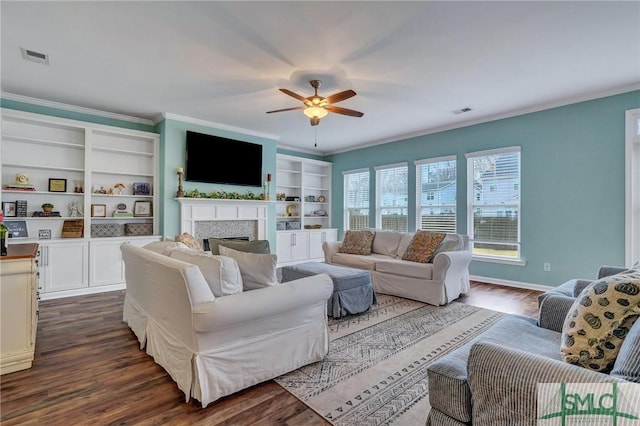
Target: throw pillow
257	270
357	242
255	246
423	246
221	273
599	320
188	240
164	247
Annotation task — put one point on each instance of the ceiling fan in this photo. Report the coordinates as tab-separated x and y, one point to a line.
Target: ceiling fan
315	107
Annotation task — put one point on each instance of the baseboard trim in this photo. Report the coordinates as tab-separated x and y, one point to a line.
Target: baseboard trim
81	292
509	283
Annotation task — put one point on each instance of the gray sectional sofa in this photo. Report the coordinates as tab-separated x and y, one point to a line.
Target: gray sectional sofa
493	379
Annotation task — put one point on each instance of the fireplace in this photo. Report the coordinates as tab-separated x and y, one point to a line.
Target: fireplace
205	218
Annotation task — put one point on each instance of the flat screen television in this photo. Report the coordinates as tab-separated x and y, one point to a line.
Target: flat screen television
214	159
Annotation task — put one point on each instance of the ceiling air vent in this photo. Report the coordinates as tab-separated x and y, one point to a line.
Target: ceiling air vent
462	110
33	56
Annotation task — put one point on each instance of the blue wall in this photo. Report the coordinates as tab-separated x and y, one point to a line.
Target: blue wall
573	202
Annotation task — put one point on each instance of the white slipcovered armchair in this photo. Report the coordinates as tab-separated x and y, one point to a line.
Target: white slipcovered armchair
214	346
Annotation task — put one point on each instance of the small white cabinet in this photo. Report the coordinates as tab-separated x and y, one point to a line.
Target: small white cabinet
302	246
107	266
19	307
317	238
292	246
64	265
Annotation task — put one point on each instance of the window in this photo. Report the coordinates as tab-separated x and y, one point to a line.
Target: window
392	197
632	187
356	199
493	194
436	194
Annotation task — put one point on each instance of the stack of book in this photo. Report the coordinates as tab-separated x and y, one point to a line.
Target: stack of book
16	187
46	214
122	213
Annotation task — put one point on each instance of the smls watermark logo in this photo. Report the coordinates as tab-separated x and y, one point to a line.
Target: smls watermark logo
615	404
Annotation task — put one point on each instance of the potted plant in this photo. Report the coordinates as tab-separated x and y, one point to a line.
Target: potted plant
47	207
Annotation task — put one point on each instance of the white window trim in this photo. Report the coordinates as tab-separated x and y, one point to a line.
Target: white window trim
632	187
519	261
492	152
354	171
435	160
391	166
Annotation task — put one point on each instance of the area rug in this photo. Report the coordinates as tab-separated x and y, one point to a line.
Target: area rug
376	370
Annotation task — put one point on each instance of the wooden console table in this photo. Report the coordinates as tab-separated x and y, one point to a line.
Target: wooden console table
19	307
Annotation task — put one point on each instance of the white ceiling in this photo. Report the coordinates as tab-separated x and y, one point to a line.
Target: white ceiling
411	63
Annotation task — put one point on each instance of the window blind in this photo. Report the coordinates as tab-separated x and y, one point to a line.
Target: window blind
436	194
356	199
493	202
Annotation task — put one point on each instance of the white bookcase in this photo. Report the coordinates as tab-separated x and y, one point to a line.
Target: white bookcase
303	220
85	157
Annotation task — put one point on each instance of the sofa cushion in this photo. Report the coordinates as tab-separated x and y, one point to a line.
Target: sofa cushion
423	246
627	365
386	242
451	242
357	242
405	240
258	270
599	320
164	247
221	273
405	268
255	246
188	240
357	261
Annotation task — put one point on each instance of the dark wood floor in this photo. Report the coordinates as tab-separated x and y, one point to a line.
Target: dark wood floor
88	370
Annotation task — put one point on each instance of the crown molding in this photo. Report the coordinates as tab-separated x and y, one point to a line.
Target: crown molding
536	108
74	108
214	125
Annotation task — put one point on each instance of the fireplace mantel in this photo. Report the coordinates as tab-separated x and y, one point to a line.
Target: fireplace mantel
193	210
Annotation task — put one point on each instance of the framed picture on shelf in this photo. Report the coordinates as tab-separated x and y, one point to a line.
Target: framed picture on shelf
44	234
98	210
142	208
57	185
141	188
17	229
9	208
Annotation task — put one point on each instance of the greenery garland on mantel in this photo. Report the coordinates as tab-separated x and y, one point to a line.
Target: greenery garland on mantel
223	195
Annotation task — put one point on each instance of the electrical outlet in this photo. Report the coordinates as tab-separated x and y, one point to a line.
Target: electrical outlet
547	267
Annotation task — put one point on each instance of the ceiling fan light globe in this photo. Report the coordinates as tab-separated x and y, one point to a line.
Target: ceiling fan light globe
315	112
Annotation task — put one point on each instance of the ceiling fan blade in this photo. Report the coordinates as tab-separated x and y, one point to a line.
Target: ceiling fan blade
294	95
286	109
341	96
344	111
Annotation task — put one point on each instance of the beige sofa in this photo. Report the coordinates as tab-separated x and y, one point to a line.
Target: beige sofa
215	346
436	283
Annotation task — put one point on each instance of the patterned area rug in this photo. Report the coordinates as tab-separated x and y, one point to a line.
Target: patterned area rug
376	370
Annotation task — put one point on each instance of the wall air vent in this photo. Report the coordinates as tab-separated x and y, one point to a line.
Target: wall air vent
462	110
33	56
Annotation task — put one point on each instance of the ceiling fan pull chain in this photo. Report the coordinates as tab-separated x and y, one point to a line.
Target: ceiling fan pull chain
315	130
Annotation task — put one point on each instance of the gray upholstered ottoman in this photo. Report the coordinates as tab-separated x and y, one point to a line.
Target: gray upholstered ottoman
352	289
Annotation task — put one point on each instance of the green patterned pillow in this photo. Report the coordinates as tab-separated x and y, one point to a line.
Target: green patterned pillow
357	242
599	321
423	246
